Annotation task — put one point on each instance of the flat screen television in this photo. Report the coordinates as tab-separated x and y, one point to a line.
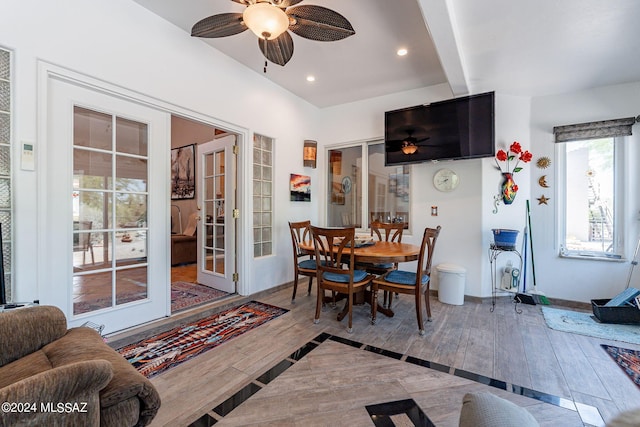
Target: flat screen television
460	128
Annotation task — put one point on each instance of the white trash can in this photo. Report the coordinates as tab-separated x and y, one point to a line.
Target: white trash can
451	282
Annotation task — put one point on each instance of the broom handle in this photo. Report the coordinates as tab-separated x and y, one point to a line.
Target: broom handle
533	265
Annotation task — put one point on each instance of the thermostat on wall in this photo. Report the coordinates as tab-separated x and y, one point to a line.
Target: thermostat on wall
27	157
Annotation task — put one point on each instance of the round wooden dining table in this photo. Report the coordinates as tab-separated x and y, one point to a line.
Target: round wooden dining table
377	253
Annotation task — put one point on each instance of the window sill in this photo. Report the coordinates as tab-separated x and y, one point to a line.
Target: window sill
592	256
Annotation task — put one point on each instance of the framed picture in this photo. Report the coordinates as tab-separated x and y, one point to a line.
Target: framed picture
183	172
393	183
300	188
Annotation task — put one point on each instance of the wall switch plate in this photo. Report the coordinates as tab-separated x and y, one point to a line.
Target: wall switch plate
434	211
27	157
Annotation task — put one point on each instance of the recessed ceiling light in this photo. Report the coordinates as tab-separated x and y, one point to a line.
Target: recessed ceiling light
311	79
402	52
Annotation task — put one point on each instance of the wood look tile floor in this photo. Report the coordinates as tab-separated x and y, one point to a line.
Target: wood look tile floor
332	383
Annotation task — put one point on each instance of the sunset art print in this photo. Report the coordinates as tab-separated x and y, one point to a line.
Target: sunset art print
300	186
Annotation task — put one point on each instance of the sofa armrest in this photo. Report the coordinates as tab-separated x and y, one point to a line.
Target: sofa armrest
86	344
25	330
66	395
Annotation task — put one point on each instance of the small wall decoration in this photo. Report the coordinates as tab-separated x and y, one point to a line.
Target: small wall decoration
508	163
346	185
309	153
300	187
542	200
542	181
183	172
543	162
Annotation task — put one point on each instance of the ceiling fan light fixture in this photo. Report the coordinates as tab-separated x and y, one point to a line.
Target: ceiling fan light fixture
409	148
265	20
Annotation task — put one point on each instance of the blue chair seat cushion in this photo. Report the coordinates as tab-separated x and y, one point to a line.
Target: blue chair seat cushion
309	264
404	277
384	265
358	275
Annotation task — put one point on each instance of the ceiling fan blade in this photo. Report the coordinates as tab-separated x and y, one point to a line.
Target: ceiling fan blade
319	23
221	25
279	50
244	2
287	3
393	146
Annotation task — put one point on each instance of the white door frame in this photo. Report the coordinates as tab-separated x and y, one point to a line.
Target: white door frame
43	259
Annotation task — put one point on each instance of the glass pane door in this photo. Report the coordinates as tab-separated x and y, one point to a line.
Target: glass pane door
109	203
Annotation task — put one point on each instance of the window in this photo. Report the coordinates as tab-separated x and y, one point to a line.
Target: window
6	216
591	197
262	195
384	195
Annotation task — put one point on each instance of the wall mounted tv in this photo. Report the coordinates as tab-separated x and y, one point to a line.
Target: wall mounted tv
460	128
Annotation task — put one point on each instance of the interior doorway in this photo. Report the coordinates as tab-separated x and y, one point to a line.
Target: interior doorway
188	259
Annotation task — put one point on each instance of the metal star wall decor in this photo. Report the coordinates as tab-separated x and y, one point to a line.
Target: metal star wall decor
542	200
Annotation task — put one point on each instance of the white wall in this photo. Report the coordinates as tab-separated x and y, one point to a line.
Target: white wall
122	43
119	42
466	214
574	279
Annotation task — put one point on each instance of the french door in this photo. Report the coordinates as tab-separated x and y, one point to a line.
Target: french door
216	199
107	221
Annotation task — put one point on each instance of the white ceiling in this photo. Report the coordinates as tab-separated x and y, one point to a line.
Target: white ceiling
516	47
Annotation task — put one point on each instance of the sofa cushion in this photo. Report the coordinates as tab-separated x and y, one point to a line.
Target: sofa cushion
76	384
125	413
86	344
25	330
24	367
488	410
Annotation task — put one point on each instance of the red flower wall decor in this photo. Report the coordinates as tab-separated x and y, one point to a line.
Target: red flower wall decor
509	188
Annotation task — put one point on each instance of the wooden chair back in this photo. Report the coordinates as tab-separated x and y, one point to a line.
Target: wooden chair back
300	232
333	249
425	258
334	252
387	231
405	282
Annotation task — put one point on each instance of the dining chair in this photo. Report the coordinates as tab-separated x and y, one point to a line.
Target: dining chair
379	216
387	232
335	266
408	282
82	240
300	231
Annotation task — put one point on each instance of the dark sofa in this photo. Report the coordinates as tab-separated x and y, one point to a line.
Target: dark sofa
67	376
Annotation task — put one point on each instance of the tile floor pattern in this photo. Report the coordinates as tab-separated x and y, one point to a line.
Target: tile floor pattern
515	356
385	413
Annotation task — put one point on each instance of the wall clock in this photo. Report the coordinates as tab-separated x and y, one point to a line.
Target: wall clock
445	180
346	185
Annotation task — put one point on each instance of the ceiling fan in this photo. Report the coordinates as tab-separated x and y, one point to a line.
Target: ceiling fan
408	145
270	19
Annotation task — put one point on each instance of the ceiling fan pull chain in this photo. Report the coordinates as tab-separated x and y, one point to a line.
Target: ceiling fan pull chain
265	60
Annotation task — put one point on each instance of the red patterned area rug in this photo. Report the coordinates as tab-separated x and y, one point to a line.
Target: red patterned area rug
186	295
628	360
156	354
